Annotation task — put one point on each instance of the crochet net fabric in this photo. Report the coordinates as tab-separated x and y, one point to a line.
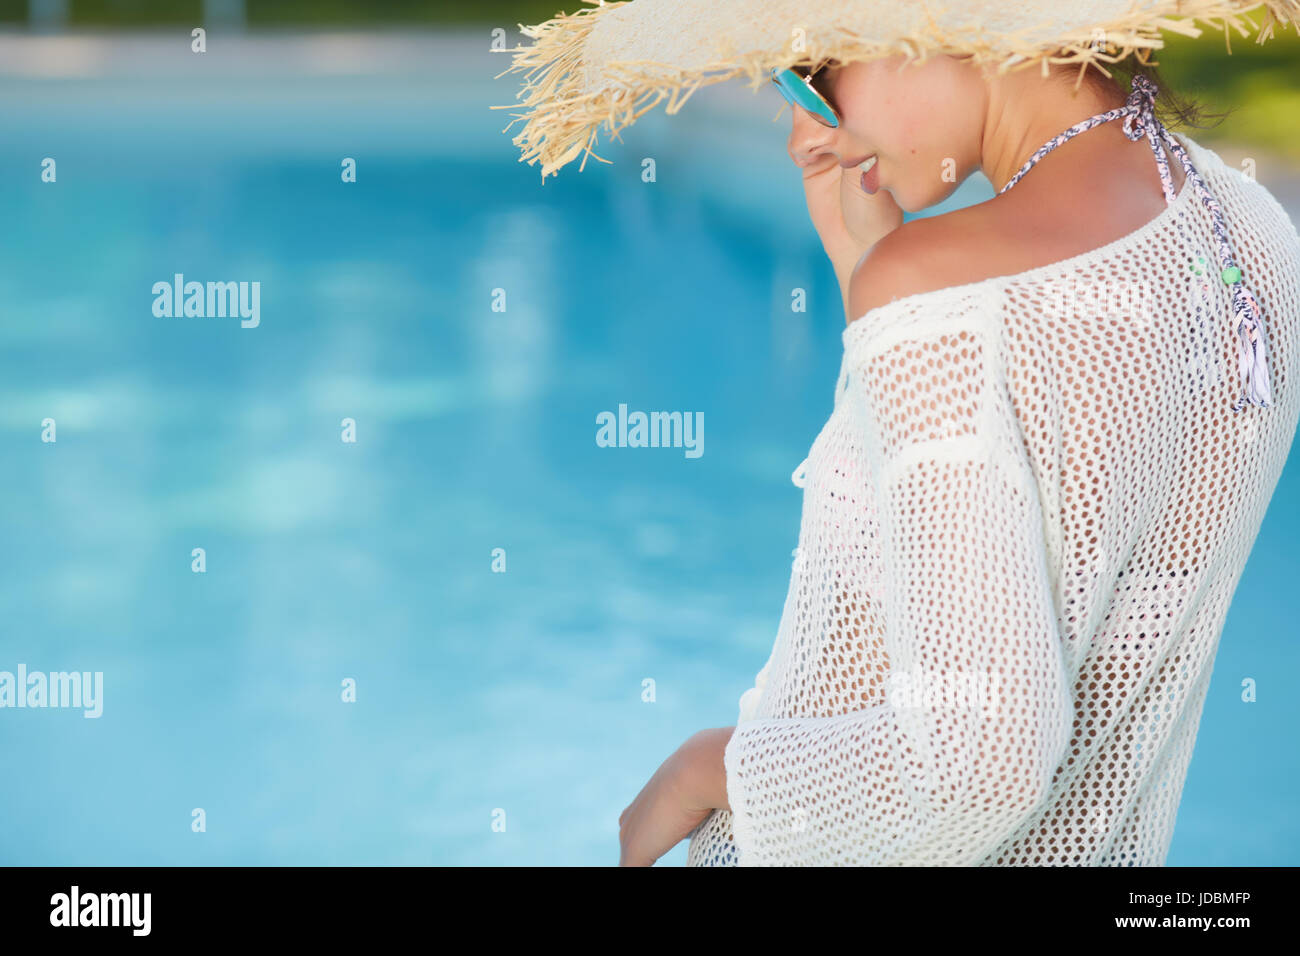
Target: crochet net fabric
1022	528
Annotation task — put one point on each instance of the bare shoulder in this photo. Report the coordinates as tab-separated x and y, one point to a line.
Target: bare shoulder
922	255
1060	212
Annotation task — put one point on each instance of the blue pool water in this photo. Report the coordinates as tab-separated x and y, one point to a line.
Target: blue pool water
477	692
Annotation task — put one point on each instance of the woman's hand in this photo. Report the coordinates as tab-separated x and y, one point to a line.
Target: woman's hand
848	220
682	793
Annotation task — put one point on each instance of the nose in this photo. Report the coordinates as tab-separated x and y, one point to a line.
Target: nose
809	140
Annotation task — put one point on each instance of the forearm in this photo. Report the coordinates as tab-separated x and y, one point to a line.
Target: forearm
844	257
707	776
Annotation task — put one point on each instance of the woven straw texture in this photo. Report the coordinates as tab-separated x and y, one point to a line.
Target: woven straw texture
607	65
1022	527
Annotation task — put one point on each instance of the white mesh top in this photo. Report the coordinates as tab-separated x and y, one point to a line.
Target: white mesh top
1022	527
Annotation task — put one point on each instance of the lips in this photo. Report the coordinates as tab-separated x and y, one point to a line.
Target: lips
869	178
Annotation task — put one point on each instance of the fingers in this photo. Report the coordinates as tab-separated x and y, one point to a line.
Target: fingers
807	158
817	164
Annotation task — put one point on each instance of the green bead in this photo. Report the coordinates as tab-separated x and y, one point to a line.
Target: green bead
1231	274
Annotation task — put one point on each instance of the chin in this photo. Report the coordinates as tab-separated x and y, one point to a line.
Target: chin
920	199
906	199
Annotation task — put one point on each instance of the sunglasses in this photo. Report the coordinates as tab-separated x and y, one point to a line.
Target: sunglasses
799	91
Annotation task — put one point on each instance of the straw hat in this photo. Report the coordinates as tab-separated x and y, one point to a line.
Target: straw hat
610	63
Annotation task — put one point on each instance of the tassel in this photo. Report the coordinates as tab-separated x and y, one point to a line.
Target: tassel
1252	360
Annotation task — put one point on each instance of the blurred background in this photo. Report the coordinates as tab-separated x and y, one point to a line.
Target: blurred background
477	692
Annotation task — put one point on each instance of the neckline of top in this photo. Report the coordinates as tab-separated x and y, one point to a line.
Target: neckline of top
859	326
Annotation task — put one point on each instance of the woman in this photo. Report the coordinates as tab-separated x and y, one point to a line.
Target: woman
1059	420
1026	517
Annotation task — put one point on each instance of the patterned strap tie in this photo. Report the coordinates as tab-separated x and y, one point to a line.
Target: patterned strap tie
1139	121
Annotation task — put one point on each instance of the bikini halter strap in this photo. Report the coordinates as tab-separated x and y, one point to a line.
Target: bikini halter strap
1139	121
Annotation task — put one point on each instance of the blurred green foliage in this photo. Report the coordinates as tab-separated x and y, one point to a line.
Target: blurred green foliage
1259	84
134	13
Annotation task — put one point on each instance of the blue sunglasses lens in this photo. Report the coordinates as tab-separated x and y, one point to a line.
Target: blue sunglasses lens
800	94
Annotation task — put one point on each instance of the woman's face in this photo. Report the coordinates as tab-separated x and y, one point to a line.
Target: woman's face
923	123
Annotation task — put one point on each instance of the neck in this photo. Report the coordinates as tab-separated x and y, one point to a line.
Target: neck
1023	111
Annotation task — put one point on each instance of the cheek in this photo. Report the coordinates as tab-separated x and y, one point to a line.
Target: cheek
909	133
890	133
924	151
912	126
918	175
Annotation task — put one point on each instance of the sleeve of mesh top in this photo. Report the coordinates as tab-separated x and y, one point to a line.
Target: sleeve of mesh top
977	715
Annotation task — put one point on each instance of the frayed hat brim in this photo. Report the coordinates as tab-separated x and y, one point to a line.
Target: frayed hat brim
608	64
